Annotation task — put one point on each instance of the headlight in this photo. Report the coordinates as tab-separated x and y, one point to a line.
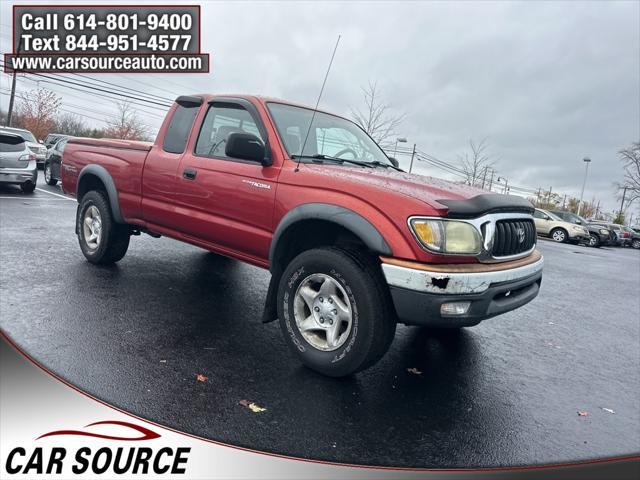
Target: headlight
604	232
447	236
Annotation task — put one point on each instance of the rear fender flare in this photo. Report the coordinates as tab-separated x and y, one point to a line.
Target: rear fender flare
110	186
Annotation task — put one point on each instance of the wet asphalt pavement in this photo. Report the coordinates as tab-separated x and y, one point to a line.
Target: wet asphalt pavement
506	392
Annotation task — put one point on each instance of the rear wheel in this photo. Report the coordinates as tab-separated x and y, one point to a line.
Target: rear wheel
636	243
335	312
559	235
28	187
48	177
102	240
594	241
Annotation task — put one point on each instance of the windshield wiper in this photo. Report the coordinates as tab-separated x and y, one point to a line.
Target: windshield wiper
378	163
320	158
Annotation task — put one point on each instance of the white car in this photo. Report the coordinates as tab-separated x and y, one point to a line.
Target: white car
39	150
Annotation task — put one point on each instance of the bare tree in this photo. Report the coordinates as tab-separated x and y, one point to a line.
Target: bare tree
630	157
376	117
477	163
126	125
71	124
37	111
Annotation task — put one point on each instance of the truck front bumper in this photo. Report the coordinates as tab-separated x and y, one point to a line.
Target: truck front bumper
464	295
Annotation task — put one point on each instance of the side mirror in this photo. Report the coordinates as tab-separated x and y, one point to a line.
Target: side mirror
246	146
578	222
394	162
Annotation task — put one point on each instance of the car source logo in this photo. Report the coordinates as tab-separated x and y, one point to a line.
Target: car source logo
520	234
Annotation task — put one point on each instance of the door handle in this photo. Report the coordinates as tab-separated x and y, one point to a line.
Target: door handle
189	174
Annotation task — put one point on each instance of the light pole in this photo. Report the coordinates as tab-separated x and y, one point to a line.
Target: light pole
506	184
587	161
401	140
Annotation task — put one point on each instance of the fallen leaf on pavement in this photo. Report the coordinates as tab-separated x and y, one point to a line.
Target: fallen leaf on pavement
201	378
582	414
163	361
252	406
608	410
414	370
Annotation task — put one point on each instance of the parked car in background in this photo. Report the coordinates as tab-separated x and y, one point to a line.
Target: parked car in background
17	162
53	138
598	234
619	240
40	151
634	237
554	227
53	162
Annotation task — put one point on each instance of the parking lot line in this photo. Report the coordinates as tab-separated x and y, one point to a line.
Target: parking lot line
55	194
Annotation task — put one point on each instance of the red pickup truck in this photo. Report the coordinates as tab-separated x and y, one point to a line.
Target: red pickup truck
354	245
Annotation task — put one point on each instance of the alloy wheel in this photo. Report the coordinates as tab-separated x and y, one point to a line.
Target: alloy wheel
92	227
323	312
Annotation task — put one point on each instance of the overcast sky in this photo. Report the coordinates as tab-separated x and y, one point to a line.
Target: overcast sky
546	82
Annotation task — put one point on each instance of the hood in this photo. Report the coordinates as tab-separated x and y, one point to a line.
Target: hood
457	199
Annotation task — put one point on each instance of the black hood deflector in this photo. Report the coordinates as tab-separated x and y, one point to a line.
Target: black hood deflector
486	203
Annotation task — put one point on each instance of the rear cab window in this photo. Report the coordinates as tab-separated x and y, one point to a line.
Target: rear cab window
175	139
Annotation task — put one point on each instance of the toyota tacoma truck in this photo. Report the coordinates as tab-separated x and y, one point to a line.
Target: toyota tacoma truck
354	244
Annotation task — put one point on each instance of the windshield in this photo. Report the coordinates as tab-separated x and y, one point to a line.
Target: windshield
573	218
554	216
329	136
26	134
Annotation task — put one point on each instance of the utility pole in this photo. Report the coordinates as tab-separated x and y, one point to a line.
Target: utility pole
538	196
413	154
13	89
624	194
11	99
564	201
491	180
484	176
587	161
597	210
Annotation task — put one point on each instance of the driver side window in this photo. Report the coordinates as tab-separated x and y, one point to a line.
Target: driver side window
221	121
540	215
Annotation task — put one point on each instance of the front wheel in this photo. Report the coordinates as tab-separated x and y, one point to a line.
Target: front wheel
335	311
101	239
559	235
48	177
594	241
636	243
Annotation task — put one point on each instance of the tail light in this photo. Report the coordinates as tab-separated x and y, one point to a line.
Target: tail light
27	157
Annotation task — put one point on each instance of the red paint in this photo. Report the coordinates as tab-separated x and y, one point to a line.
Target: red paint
221	212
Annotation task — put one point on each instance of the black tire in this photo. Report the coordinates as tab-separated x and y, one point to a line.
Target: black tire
373	318
636	243
28	187
47	175
559	235
594	241
114	240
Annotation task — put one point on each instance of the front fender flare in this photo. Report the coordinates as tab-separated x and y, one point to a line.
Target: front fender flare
342	216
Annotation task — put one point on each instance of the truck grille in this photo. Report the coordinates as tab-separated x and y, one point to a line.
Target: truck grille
513	237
